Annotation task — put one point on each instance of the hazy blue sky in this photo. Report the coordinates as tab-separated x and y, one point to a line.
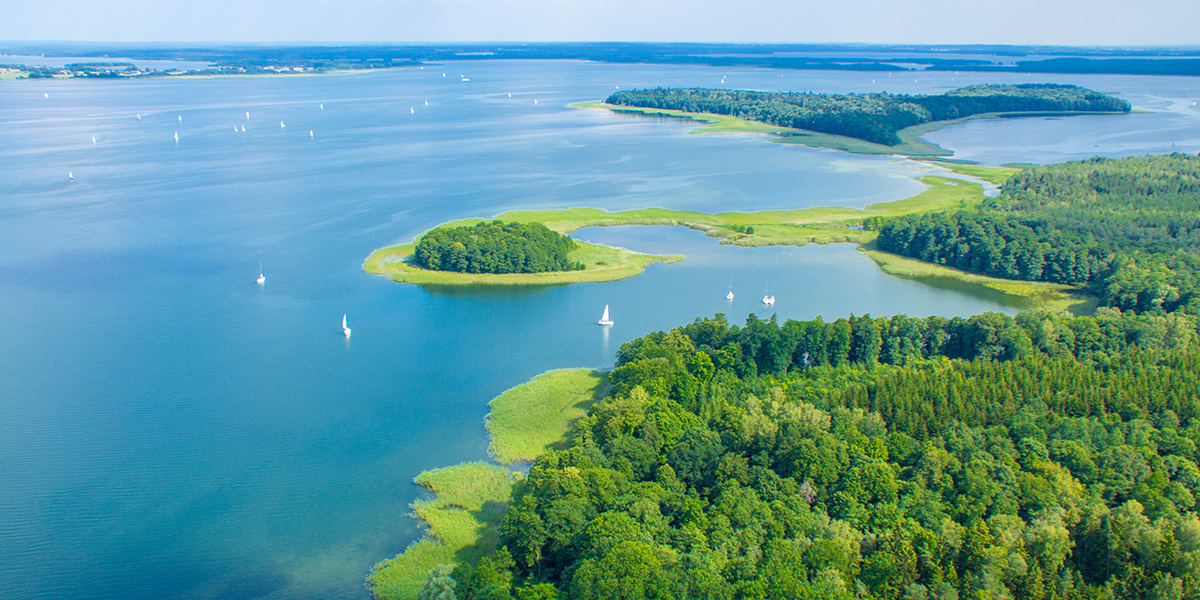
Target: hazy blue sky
1084	22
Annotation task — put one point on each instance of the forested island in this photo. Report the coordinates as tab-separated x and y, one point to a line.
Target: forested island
877	117
1127	229
496	247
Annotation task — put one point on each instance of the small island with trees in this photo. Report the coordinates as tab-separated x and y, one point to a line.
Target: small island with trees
496	247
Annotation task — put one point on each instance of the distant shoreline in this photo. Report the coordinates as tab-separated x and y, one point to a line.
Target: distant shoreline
912	144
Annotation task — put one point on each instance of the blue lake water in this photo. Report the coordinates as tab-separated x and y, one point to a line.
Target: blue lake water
170	429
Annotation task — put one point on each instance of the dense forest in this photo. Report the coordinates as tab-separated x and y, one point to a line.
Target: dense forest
888	458
1127	228
872	117
496	247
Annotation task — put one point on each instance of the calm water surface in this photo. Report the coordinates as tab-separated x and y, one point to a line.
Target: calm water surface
169	429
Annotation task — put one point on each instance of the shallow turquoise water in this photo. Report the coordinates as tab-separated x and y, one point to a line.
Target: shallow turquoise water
169	429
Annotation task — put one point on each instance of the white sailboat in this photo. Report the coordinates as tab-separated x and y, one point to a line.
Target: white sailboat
605	319
281	125
768	299
261	278
729	296
176	137
345	328
70	176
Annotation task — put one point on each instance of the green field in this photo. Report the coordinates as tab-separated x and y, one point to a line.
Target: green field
462	517
535	416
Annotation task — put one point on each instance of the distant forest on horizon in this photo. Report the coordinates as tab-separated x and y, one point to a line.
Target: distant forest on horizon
852	57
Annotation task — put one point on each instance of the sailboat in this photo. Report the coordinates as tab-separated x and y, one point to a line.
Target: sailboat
768	299
729	296
70	176
176	137
261	278
345	328
412	110
605	319
281	125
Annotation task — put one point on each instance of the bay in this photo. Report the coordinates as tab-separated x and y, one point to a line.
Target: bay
170	429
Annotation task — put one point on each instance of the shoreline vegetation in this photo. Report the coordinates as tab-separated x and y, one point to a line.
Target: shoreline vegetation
470	498
817	225
537	415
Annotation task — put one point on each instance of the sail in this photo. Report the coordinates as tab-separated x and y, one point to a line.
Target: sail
605	320
343	321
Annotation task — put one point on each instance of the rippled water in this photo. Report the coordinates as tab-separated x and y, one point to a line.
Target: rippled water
169	429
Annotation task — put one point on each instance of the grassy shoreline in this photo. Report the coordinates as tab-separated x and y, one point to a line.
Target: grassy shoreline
470	498
537	415
469	501
1055	297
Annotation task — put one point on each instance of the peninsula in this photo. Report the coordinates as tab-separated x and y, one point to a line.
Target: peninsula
877	123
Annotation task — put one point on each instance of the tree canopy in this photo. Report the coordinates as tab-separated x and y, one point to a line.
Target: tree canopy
887	458
496	247
872	117
1128	228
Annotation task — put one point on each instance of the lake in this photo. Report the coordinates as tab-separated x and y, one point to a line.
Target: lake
170	429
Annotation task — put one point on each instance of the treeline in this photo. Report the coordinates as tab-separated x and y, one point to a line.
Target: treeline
1059	472
496	247
1128	228
872	117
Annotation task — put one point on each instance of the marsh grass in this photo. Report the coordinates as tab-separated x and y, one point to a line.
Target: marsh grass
537	415
468	503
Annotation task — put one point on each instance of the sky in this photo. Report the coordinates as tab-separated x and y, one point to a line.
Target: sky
1052	22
